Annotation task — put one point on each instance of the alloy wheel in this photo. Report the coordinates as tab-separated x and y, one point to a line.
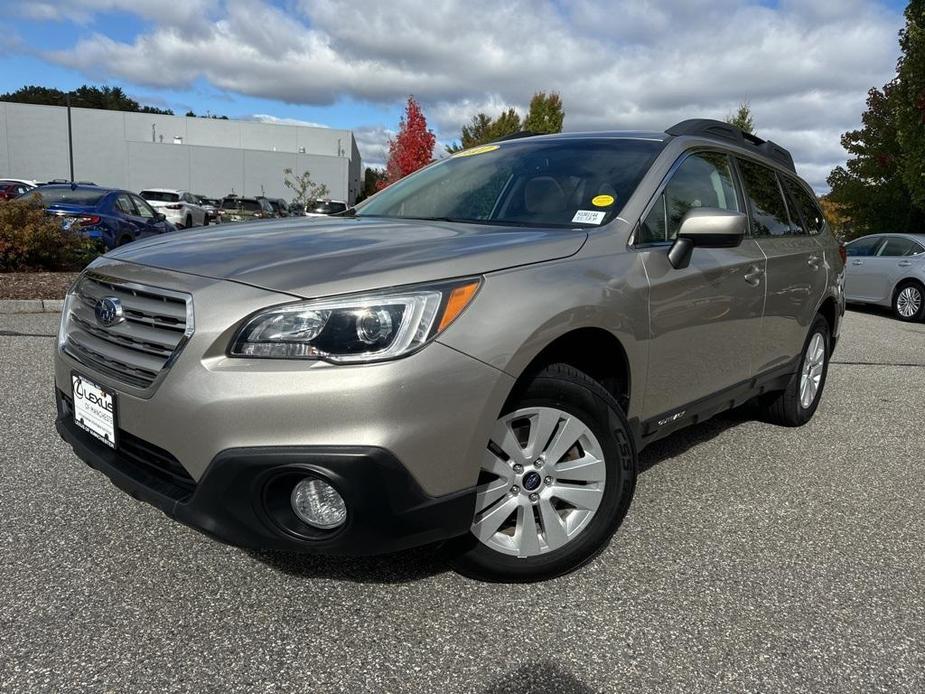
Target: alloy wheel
542	480
811	373
909	302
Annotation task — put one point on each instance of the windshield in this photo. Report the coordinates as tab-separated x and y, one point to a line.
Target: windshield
241	204
52	195
159	196
543	183
327	207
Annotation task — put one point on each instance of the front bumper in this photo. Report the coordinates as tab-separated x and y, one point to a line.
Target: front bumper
242	499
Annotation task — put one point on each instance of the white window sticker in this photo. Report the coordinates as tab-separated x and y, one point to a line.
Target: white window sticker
589	216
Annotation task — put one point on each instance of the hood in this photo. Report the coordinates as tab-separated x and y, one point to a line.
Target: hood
318	257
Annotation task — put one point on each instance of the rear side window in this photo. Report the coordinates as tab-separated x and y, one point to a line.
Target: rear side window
897	246
768	209
702	180
863	247
803	202
124	204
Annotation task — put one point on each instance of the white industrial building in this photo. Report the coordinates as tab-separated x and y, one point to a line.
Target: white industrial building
206	156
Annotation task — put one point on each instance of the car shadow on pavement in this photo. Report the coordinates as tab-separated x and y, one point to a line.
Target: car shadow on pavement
685	439
538	678
400	567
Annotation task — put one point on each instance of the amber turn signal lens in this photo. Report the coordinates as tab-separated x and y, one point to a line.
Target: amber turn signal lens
459	299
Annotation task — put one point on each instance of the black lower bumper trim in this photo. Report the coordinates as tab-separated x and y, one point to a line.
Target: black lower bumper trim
386	508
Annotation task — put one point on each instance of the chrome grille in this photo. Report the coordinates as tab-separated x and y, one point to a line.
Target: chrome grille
156	323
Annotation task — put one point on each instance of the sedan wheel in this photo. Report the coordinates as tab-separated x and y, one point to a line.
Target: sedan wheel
909	304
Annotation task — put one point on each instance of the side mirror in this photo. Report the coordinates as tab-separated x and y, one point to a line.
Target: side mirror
160	216
706	227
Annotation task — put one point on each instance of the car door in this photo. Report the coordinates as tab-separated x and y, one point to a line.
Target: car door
797	273
858	269
703	319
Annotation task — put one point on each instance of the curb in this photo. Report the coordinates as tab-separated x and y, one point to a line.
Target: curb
31	305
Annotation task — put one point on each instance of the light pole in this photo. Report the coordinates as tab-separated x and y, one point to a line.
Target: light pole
70	137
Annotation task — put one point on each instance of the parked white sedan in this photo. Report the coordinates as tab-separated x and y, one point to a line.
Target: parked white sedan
180	207
888	270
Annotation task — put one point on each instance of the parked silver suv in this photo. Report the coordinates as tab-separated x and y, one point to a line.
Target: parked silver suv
475	354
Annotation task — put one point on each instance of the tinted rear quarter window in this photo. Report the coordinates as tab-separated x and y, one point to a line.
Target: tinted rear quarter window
803	206
768	210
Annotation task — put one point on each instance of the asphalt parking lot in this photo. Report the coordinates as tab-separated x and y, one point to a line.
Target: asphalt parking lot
754	558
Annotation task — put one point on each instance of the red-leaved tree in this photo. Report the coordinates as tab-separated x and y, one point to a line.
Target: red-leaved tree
412	148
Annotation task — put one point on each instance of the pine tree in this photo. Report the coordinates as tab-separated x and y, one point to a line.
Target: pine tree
546	114
742	118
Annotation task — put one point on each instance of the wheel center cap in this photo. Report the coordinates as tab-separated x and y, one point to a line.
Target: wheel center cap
531	481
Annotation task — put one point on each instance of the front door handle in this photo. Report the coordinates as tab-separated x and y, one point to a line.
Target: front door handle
754	275
857	262
904	263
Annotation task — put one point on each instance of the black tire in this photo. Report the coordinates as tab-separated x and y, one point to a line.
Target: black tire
909	290
188	222
785	407
565	388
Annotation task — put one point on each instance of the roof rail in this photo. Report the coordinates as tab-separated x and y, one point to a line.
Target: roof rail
718	130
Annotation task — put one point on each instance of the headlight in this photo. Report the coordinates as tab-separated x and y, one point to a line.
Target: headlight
358	328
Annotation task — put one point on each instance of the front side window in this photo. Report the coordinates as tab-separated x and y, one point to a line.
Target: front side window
863	247
769	211
896	246
702	180
144	209
568	182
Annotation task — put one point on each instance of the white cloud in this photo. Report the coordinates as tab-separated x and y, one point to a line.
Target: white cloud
267	118
805	66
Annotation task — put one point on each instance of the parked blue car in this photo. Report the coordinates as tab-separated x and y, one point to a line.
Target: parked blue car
114	217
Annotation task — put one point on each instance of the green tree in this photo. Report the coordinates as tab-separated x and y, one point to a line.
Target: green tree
372	180
742	118
910	101
302	186
545	115
870	188
86	96
482	129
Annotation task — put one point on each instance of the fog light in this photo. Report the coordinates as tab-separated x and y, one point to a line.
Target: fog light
317	503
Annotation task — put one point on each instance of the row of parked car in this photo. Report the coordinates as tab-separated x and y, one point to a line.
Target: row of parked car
116	217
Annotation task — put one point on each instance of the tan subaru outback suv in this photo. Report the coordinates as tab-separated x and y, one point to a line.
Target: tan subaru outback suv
474	356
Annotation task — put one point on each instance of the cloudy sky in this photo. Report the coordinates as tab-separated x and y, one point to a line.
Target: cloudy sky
804	65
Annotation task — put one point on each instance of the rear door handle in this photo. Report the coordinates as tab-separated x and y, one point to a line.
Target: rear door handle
754	275
857	262
904	263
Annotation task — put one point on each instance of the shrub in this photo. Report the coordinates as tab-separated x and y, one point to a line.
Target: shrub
32	241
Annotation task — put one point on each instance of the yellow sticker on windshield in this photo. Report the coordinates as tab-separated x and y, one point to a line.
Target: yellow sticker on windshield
602	200
477	150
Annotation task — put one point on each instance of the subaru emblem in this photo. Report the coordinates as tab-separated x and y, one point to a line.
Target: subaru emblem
108	311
